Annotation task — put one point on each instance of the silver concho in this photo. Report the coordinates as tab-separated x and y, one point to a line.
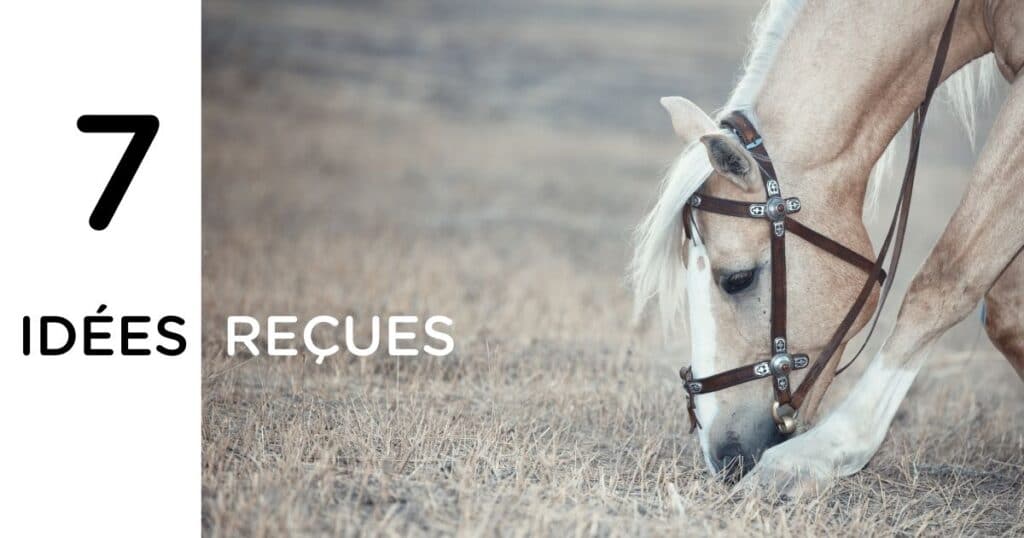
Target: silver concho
694	387
775	208
782	382
800	361
695	200
781	364
772	187
762	369
779	228
757	210
780	345
792	205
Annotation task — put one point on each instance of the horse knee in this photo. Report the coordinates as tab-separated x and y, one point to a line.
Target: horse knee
933	305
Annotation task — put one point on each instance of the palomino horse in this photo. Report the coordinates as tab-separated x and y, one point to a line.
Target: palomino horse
826	88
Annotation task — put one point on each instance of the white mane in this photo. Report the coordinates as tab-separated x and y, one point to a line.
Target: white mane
770	29
657	270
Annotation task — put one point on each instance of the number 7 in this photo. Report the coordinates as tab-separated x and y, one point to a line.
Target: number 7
144	128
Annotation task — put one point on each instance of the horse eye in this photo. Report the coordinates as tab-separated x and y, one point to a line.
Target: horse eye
738	281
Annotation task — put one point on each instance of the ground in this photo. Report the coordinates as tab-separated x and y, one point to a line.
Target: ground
487	161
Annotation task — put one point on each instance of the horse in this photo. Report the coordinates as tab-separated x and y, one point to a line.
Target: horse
826	88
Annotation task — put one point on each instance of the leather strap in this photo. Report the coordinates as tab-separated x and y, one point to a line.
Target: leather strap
735	208
732	208
832	247
776	210
736	376
897	227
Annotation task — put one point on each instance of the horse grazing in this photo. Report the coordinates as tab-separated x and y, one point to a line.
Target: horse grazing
826	88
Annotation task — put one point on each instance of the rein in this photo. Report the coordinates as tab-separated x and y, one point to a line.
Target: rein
777	211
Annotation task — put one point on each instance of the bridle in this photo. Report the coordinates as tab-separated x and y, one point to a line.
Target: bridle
777	210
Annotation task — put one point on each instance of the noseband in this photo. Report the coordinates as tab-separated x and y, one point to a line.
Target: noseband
777	211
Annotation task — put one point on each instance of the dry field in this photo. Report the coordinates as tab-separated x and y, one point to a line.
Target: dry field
486	161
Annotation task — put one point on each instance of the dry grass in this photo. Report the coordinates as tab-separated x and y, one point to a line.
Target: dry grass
487	162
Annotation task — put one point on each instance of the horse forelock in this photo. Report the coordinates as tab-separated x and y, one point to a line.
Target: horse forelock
657	271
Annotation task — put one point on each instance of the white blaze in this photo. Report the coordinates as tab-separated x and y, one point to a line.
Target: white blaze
703	345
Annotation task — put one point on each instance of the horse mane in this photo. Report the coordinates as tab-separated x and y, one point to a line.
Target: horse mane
965	92
656	270
766	36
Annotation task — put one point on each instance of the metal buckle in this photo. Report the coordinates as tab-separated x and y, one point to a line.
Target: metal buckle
686	374
784	420
689	385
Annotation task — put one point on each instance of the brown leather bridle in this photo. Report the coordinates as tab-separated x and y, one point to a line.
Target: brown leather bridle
777	211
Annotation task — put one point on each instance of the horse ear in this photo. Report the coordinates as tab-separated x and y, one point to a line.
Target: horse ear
688	120
731	160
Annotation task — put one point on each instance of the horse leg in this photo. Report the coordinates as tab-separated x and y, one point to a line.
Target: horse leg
985	233
1004	313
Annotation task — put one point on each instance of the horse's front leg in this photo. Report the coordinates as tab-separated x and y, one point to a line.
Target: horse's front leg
983	236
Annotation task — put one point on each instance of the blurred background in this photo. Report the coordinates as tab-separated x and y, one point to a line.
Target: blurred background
485	160
531	129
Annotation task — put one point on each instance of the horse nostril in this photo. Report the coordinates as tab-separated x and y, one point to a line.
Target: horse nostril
729	451
732	459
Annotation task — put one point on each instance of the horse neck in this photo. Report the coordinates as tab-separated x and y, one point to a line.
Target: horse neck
844	81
